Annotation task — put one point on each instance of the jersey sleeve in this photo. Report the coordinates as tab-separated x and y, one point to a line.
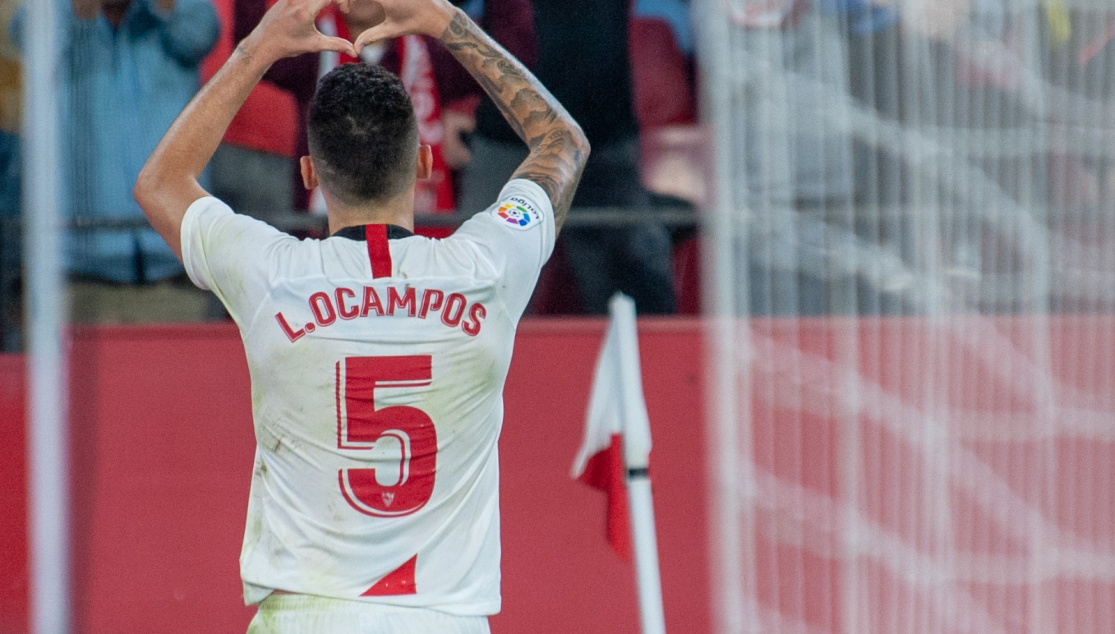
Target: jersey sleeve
516	236
230	254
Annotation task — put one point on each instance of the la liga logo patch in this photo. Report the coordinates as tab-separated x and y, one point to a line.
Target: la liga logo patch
518	214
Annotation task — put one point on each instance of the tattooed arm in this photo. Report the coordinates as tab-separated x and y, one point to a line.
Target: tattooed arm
558	147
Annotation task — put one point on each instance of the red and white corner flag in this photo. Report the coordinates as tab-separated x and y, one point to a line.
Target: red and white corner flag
615	456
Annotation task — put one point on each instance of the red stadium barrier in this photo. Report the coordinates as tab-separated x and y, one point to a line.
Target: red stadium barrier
13	498
163	457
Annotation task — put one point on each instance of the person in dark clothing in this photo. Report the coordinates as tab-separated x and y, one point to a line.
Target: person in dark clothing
584	60
509	22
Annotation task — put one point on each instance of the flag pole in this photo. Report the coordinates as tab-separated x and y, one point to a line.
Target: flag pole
636	457
646	552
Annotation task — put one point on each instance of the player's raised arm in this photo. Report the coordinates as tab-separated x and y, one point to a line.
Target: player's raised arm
558	147
168	184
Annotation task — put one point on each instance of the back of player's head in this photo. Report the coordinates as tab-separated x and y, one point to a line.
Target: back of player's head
363	134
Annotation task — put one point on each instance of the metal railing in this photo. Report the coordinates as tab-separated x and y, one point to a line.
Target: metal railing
674	217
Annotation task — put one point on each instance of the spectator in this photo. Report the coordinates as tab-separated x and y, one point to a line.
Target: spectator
672	166
10	102
10	200
584	60
251	169
129	67
10	97
450	82
410	58
874	59
798	177
877	49
1085	63
466	106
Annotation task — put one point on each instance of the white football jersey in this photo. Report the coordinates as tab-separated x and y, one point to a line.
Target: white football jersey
377	363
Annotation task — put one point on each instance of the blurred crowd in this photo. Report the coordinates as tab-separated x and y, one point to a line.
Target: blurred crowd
923	156
828	88
129	66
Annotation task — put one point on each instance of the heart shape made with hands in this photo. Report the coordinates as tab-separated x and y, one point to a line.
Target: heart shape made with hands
288	28
404	17
364	14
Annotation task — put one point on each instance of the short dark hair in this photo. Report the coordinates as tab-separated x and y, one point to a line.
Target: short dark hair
363	134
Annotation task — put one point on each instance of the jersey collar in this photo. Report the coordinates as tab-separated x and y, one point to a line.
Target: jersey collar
394	232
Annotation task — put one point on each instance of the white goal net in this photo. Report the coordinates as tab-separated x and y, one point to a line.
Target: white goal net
910	274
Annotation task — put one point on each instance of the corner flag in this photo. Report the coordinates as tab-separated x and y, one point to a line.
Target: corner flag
615	456
599	462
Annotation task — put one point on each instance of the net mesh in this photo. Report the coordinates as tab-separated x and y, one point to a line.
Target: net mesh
911	266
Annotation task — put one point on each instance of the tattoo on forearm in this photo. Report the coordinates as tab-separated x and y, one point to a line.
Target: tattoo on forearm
558	149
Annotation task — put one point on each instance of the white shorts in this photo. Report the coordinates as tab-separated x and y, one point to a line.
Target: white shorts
301	614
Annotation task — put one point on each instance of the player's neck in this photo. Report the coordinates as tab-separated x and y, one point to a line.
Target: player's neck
397	211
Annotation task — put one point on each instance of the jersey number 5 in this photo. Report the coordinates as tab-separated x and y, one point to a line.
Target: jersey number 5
401	440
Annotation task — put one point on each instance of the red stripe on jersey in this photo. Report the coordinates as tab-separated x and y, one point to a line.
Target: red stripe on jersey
378	251
399	581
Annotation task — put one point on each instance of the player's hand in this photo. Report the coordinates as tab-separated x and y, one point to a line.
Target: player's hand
406	17
288	29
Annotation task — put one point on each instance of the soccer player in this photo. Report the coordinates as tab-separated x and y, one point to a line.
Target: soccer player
377	357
